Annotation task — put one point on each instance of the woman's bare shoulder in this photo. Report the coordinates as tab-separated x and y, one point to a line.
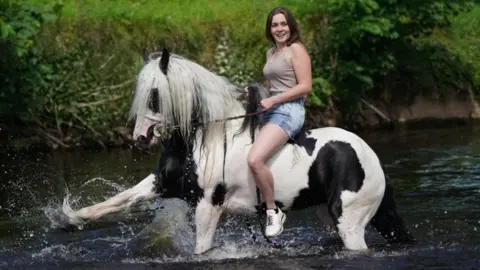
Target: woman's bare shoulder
298	49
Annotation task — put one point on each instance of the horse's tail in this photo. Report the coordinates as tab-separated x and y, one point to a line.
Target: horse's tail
256	93
387	221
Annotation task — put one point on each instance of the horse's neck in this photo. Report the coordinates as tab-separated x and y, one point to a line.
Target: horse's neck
215	133
237	109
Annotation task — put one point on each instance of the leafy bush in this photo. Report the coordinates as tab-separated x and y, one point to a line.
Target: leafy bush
364	41
20	23
463	40
68	68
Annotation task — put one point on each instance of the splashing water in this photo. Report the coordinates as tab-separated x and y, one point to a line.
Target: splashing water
437	189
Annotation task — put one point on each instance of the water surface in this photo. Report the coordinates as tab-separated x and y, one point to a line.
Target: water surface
436	174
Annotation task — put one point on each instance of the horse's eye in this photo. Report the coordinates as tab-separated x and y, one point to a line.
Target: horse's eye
153	101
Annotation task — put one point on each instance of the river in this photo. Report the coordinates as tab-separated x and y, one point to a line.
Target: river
436	174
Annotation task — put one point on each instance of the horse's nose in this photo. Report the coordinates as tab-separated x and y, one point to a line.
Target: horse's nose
141	143
141	139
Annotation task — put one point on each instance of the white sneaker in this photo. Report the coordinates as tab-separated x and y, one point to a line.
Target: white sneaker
275	222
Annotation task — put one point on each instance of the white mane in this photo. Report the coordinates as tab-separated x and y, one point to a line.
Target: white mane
187	92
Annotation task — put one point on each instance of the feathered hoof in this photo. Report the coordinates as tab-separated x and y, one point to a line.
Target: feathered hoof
62	221
69	228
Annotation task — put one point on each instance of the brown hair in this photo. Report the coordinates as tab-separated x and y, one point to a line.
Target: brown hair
292	24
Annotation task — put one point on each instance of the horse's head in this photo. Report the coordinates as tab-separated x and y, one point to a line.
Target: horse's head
146	106
173	92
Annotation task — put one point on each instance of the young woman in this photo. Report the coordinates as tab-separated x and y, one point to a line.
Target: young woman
287	73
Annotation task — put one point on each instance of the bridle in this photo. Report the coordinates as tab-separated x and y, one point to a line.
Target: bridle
159	130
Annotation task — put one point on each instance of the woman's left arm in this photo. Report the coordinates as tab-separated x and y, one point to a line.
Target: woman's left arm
302	67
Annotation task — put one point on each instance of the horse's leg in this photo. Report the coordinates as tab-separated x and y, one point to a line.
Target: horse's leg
354	190
207	216
324	216
351	217
141	192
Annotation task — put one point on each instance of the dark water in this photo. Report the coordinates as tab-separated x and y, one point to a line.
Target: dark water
436	174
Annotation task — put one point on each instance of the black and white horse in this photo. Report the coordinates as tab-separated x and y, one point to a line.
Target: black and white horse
204	159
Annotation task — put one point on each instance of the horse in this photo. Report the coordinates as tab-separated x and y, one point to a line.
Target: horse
205	130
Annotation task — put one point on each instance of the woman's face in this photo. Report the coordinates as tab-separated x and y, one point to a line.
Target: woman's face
280	29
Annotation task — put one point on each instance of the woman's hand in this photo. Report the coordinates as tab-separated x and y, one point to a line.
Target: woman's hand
268	103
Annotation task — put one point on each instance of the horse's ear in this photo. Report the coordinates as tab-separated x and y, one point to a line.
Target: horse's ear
164	61
145	56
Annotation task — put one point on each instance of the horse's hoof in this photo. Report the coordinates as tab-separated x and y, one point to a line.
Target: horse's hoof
275	245
61	221
68	228
208	251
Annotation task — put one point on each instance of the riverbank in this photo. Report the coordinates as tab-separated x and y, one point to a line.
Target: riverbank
68	82
421	111
373	115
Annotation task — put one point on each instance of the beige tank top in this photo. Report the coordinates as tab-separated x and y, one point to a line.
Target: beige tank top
279	72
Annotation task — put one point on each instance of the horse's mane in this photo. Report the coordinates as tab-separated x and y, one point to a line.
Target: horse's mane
256	92
188	93
191	99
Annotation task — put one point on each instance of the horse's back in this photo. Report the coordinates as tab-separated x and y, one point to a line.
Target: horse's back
315	139
300	168
320	158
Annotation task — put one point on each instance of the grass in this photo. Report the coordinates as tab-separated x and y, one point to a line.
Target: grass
467	41
179	24
463	39
181	12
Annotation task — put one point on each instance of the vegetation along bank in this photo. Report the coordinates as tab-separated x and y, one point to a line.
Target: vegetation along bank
68	68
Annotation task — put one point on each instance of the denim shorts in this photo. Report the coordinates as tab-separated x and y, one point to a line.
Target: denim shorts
290	116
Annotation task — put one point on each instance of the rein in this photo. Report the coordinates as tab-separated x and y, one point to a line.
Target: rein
159	130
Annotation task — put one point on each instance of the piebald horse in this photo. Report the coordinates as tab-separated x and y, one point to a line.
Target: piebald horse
204	159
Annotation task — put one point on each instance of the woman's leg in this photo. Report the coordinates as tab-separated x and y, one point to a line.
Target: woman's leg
270	138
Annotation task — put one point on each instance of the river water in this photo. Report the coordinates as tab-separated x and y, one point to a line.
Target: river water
436	174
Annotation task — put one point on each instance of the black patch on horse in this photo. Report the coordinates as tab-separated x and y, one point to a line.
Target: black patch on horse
218	196
163	64
153	102
301	140
176	174
335	169
190	190
145	55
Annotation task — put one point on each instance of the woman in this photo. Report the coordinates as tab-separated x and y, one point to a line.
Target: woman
288	76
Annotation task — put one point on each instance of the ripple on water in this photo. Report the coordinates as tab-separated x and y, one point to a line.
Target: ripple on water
437	193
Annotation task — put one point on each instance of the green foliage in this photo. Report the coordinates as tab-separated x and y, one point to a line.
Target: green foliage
430	69
20	23
321	91
463	40
364	41
228	63
63	89
68	68
79	94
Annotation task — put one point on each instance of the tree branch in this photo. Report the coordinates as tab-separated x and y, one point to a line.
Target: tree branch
377	111
52	138
99	102
110	87
89	127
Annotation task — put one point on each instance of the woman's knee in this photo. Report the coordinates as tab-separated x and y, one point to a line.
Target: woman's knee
255	162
